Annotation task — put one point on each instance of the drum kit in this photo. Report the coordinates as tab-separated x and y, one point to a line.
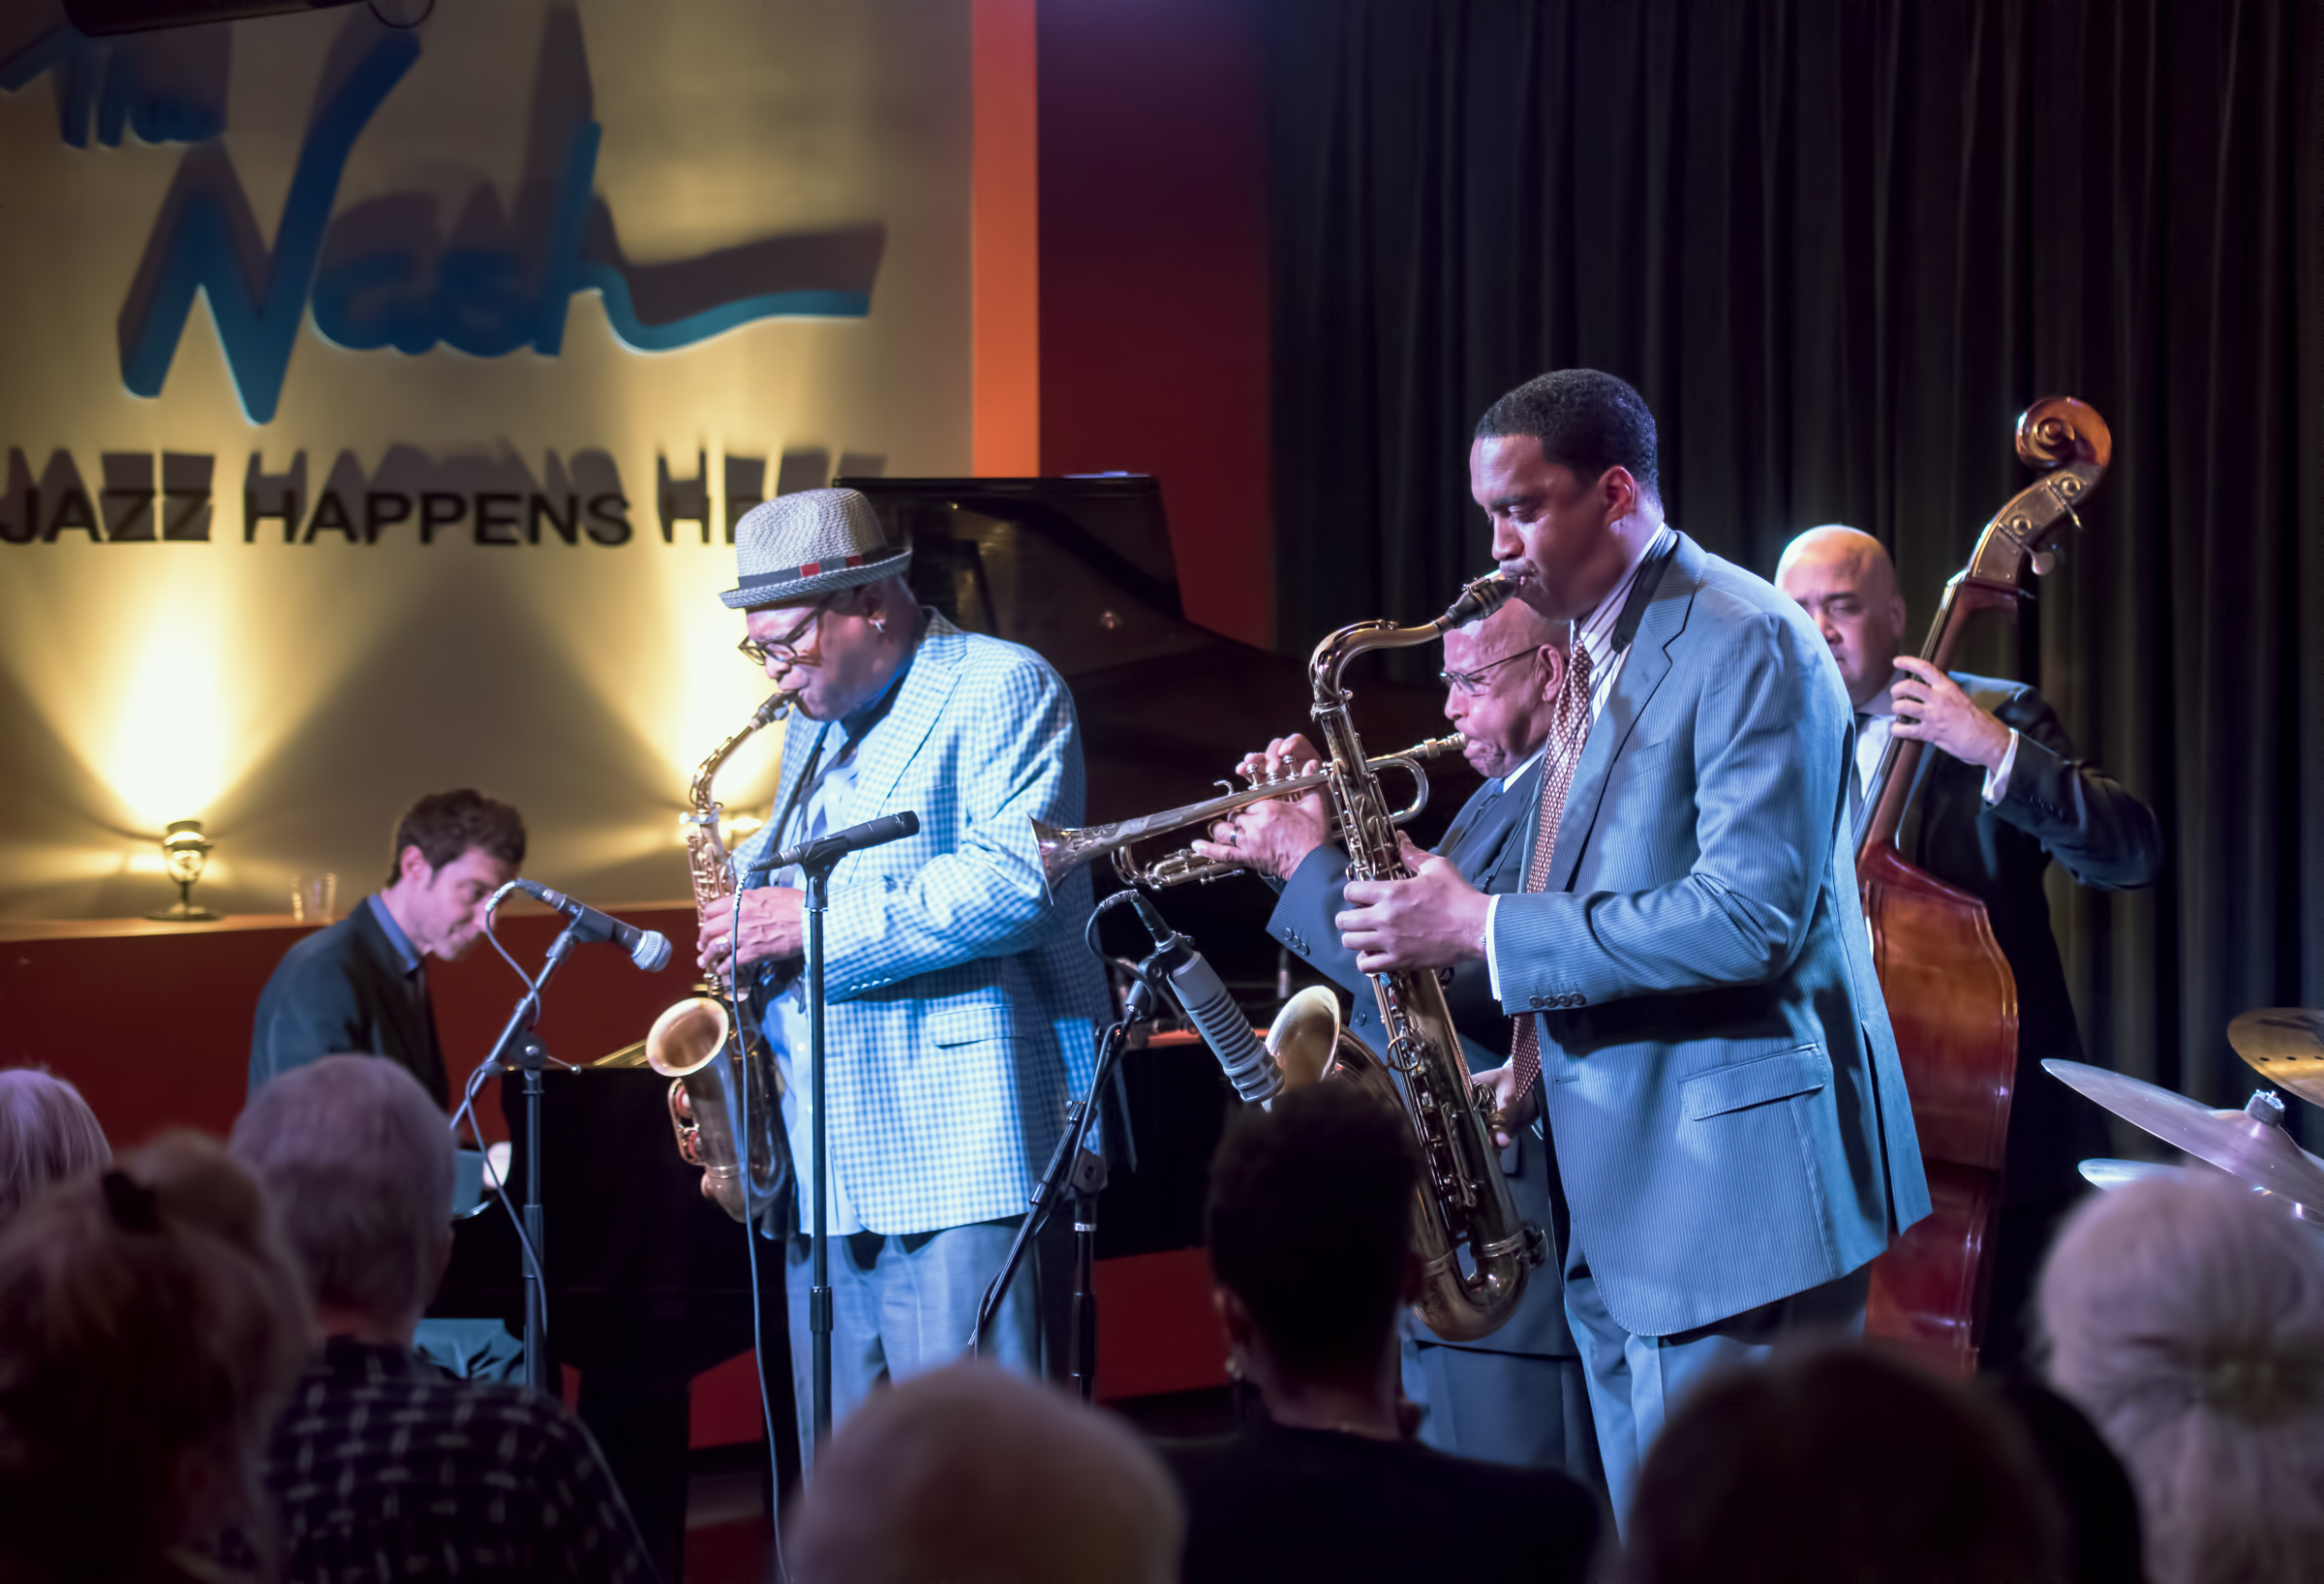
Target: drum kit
2284	1044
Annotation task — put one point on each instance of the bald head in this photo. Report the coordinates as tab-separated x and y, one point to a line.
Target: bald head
1506	709
971	1475
1845	581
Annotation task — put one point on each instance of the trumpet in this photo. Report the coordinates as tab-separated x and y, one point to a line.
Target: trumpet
1062	851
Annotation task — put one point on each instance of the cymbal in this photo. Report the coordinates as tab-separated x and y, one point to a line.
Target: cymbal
2250	1142
2109	1174
2286	1045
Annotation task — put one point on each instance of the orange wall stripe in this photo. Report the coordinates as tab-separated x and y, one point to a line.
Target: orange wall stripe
1004	246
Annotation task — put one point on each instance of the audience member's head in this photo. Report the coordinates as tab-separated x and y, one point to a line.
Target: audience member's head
2094	1489
1310	1224
975	1476
1842	1466
47	1135
2187	1317
360	1167
150	1329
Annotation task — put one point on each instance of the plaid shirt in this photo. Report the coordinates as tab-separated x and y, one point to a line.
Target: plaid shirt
384	1468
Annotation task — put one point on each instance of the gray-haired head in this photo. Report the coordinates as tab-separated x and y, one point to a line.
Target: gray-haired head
47	1135
970	1473
2186	1317
360	1164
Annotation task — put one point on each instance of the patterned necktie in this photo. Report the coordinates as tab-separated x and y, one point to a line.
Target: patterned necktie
1569	730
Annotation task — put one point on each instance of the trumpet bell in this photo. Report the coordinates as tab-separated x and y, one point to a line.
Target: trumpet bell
687	1036
1304	1037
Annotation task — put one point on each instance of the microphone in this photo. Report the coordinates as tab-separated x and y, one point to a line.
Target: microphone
1202	997
826	850
649	949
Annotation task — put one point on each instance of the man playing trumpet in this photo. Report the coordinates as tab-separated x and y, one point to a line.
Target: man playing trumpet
1517	1396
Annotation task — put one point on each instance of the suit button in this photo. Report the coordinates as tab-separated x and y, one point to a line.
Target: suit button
1575	1000
1540	1002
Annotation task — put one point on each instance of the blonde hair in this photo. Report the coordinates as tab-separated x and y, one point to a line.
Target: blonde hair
150	1329
2185	1316
48	1134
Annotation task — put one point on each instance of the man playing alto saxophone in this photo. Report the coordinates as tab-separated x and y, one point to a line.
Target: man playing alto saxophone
1515	1396
962	1004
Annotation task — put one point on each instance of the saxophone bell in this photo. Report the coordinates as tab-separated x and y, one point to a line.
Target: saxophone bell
720	1075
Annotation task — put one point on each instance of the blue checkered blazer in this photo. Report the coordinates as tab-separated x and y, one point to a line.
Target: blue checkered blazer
962	1005
1724	1091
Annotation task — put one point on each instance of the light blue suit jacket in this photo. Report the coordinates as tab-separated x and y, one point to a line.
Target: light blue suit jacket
1723	1087
962	1004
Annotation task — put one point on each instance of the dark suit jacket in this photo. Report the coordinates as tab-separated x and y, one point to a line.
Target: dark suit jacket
341	990
1273	1504
2057	807
1485	842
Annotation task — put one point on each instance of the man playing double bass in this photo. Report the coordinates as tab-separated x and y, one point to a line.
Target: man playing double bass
2007	794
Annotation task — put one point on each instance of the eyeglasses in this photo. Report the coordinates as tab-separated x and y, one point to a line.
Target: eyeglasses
1469	684
787	646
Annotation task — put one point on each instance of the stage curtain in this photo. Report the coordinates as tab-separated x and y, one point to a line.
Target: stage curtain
1839	245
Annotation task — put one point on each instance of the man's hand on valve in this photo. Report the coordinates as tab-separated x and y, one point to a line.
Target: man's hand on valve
1930	706
773	925
1431	921
1274	837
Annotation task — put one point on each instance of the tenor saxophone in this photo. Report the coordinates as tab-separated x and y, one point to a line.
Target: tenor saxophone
1477	1251
719	1069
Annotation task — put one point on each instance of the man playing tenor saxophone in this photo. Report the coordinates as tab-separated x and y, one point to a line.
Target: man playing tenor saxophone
1516	1395
960	1003
1685	962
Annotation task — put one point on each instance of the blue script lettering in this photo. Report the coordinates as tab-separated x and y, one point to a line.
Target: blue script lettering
484	301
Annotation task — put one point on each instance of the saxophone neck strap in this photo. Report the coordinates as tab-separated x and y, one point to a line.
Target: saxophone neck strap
1659	557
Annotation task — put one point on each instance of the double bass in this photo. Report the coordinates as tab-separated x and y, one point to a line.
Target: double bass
1952	998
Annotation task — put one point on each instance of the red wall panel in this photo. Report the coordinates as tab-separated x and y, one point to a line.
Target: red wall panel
1153	278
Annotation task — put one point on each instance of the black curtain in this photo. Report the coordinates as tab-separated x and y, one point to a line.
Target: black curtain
1839	245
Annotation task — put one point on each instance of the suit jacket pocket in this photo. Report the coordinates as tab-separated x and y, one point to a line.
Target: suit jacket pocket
1754	1082
967	1024
1639	761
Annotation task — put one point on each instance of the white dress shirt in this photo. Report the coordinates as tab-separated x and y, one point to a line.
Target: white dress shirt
1873	732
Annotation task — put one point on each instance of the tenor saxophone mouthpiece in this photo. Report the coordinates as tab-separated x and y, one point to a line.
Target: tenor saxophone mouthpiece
1478	601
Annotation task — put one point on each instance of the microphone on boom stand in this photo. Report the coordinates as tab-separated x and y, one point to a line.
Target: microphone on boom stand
1202	997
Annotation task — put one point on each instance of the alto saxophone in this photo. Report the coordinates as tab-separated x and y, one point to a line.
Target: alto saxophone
718	1069
1477	1252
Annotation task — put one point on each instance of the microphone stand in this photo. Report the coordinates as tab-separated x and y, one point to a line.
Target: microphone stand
818	1298
1083	1172
531	1056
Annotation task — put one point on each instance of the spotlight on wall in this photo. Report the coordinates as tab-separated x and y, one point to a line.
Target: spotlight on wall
185	852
